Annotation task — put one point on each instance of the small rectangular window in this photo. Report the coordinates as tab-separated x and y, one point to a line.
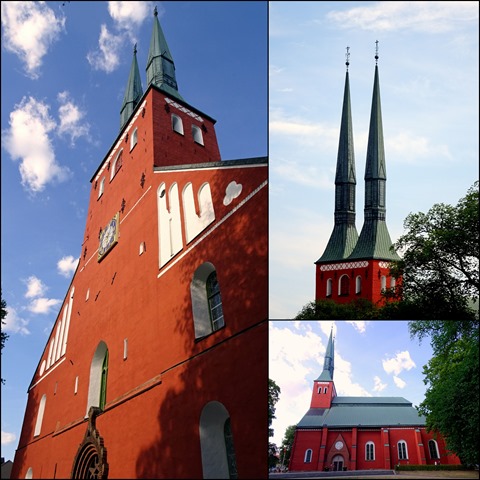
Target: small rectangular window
125	348
133	139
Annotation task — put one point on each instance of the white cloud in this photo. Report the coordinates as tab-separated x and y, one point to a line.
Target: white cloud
71	118
130	15
42	305
379	386
106	58
66	265
399	382
35	287
27	139
359	325
8	438
431	17
15	324
410	147
29	29
401	361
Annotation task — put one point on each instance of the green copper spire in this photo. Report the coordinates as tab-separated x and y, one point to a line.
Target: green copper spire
327	374
344	235
133	92
160	66
374	241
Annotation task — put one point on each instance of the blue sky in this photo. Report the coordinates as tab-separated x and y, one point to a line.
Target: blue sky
428	70
65	67
372	358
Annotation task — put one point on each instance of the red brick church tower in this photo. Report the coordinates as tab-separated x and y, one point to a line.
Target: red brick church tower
156	366
355	266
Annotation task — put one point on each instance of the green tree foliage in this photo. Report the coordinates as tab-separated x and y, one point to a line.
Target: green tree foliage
440	259
359	309
4	335
272	455
287	443
452	397
273	397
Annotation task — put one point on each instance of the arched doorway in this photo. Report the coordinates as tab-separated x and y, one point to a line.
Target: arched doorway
337	463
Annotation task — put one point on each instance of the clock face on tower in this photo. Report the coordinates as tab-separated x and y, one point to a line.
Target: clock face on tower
339	445
108	237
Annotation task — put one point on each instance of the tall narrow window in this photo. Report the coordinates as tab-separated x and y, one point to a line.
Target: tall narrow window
197	134
41	411
329	287
325	390
216	442
370	451
97	387
177	124
344	286
117	164
102	187
207	306
402	450
214	301
133	139
433	449
392	282
358	285
308	456
383	282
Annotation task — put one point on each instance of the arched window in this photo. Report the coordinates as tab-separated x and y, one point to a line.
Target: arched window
392	282
177	124
41	411
117	164
206	301
370	451
29	473
216	442
97	388
358	285
197	134
343	286
325	390
383	282
402	450
329	287
133	139
308	456
337	462
433	449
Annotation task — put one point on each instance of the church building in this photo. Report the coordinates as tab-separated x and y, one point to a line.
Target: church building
357	266
156	366
361	433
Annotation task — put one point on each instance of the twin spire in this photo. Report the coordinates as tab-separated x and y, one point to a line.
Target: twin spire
374	240
160	72
328	364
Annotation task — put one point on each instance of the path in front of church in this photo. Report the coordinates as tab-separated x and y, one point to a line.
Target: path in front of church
368	474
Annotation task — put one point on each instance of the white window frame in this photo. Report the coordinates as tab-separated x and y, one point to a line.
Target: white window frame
406	449
197	134
134	138
366	451
436	449
41	411
358	284
101	187
308	456
329	287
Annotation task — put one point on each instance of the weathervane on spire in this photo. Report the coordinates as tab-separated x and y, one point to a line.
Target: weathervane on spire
376	52
135	49
347	57
155	12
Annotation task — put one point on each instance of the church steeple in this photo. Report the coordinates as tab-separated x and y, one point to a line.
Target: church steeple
160	66
374	241
328	364
133	92
344	235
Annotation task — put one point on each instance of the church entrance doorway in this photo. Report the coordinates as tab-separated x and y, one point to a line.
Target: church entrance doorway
337	463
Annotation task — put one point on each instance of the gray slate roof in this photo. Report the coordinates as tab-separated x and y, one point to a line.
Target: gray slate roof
363	412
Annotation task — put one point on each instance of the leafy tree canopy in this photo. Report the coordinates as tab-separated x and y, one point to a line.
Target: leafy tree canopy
440	263
273	397
452	397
